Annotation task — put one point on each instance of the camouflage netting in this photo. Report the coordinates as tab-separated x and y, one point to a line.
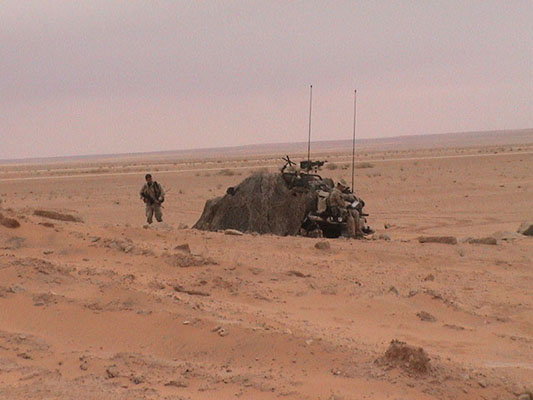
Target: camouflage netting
262	203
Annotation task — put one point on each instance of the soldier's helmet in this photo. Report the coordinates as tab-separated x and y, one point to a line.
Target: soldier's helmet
343	183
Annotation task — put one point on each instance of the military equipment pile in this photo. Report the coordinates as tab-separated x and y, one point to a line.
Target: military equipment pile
293	202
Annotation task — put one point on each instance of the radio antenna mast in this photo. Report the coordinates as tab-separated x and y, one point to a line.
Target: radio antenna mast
353	143
309	138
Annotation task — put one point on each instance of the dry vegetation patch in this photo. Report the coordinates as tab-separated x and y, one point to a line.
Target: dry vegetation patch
364	164
185	260
226	172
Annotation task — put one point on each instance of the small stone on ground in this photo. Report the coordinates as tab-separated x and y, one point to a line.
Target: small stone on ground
322	245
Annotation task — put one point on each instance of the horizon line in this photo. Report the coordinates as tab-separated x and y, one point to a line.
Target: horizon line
244	146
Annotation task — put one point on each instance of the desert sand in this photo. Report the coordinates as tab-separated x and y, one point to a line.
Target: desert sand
105	308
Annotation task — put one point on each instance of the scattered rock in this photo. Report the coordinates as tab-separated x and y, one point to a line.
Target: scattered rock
438	239
256	271
392	289
44	299
15	289
298	274
482	383
181	289
386	226
221	331
485	240
47	224
430	277
84	366
11	223
25	356
95	239
526	396
384	236
507	236
57	216
177	383
123	245
233	232
425	316
48	252
322	245
410	358
185	260
183	226
137	379
526	229
155	284
454	327
183	247
112	372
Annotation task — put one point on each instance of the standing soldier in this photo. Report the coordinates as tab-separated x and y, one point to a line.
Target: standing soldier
153	196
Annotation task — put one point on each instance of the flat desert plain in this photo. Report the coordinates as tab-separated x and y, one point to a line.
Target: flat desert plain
105	308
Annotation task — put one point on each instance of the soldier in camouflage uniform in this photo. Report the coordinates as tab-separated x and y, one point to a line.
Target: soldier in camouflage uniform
338	204
153	196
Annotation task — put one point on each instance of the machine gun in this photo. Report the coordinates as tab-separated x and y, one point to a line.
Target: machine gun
302	176
148	198
309	165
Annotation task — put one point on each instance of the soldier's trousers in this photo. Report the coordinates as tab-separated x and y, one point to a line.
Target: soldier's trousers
152	209
354	224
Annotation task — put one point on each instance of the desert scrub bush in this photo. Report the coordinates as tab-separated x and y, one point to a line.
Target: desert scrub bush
364	165
226	172
332	166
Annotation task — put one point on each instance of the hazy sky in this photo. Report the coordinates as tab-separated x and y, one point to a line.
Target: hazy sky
89	77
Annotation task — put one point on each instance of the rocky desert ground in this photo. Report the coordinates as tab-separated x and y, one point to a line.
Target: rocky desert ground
95	306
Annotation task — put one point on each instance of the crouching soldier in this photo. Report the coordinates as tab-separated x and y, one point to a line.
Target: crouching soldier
153	196
339	204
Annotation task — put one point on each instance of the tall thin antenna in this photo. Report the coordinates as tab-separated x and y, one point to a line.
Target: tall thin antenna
353	143
309	138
